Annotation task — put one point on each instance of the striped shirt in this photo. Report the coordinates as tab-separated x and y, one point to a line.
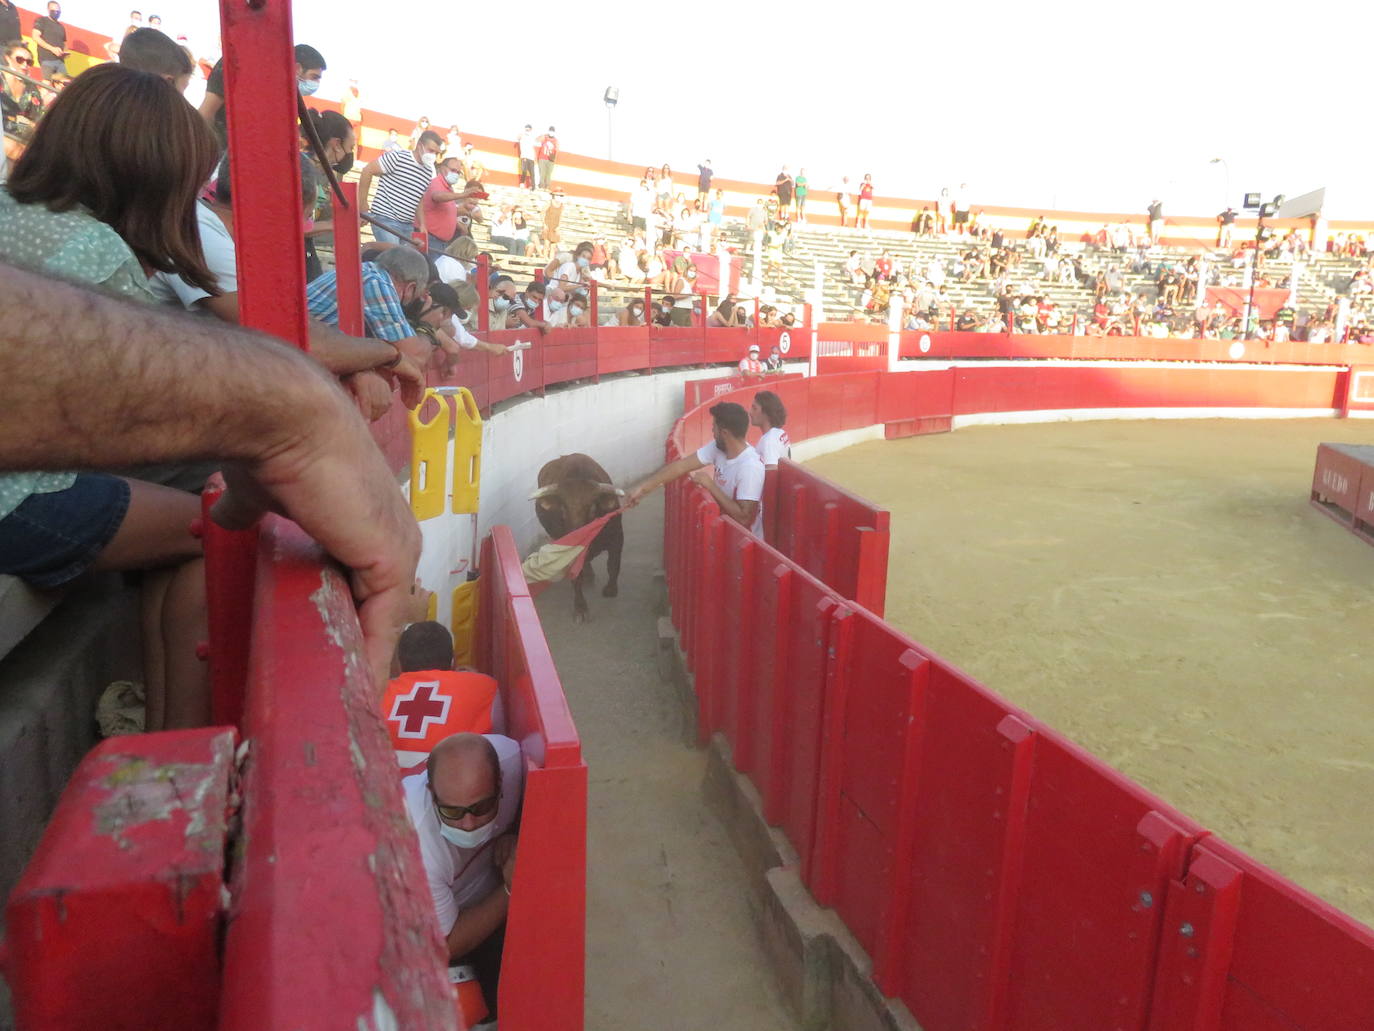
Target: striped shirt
382	312
403	182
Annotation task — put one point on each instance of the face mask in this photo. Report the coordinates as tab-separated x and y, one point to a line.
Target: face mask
451	178
665	308
428	160
414	308
502	303
307	86
532	303
582	262
574	312
467	839
555	305
344	165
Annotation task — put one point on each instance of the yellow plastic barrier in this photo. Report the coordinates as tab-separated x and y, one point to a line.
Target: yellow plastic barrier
464	622
429	458
467	487
467	453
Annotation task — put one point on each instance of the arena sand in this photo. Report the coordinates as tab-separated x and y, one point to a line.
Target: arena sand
1164	594
672	943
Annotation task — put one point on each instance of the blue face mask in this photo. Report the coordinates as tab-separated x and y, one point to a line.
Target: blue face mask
555	305
467	839
451	178
582	262
502	303
307	86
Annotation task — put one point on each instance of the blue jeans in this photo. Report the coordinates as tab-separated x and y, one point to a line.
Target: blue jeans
388	230
53	538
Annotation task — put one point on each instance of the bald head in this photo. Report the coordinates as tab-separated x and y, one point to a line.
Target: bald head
464	770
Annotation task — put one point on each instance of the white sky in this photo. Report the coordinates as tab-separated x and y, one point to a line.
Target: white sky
1087	106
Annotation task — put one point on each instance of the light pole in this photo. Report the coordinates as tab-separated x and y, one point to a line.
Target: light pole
1267	209
1227	169
611	97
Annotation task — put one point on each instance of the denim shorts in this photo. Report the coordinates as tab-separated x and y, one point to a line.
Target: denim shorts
53	538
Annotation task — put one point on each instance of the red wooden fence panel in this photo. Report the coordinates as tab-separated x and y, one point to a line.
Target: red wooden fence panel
325	906
968	819
542	969
1099	853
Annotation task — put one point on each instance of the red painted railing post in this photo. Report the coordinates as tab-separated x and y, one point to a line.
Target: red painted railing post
483	293
1135	324
888	954
951	320
1073	325
775	796
824	882
348	262
260	110
1011	323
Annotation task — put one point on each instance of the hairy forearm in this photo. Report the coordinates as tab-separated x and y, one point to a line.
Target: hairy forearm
475	924
96	381
342	354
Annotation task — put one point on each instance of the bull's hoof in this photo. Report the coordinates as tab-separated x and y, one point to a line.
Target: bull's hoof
581	616
610	591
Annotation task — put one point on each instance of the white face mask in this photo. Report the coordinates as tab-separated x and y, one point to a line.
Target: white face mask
307	87
428	159
451	178
574	312
467	839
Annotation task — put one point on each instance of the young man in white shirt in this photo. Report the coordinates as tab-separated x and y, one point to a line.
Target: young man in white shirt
736	472
769	414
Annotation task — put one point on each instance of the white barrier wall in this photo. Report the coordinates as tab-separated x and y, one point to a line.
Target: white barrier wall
622	422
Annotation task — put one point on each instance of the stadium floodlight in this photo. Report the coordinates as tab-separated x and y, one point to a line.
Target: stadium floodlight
1252	201
611	97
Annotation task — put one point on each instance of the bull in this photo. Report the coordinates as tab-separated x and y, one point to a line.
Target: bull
573	491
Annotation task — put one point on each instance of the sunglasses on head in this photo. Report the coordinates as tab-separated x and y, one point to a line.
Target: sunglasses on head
453	813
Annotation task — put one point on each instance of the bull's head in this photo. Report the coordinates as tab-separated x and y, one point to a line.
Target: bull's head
565	506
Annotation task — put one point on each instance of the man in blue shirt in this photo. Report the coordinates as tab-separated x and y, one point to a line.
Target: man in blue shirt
394	285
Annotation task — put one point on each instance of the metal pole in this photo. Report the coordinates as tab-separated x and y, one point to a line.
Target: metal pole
1254	267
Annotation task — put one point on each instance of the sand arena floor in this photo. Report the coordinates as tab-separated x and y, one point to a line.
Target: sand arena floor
1162	593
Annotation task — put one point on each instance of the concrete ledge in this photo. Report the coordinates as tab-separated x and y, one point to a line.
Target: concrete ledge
824	973
49	685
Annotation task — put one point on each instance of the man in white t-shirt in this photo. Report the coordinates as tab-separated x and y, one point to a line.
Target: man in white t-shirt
463	808
736	476
768	414
749	366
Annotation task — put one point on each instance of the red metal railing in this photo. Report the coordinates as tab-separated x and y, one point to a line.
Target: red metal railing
997	875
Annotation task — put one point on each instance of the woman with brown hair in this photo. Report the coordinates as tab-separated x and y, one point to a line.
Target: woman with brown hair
104	195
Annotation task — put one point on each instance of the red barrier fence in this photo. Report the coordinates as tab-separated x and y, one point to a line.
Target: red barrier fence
942	344
998	875
1343	486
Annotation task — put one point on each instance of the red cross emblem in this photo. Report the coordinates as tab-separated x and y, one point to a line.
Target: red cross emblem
424	705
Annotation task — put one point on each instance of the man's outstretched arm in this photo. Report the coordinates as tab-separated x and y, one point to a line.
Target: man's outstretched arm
93	381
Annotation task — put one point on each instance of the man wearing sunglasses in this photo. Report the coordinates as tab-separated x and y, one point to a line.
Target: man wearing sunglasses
464	808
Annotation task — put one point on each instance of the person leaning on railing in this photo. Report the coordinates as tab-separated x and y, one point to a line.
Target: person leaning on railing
201	389
85	204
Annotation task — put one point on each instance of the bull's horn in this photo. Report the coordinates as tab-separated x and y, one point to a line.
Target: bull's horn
612	488
544	492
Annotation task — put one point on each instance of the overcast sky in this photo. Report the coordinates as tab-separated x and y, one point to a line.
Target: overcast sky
1088	106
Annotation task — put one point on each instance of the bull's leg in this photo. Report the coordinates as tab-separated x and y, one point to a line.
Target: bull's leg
580	612
612	570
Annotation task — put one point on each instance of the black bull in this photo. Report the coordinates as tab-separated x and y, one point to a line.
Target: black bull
573	491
